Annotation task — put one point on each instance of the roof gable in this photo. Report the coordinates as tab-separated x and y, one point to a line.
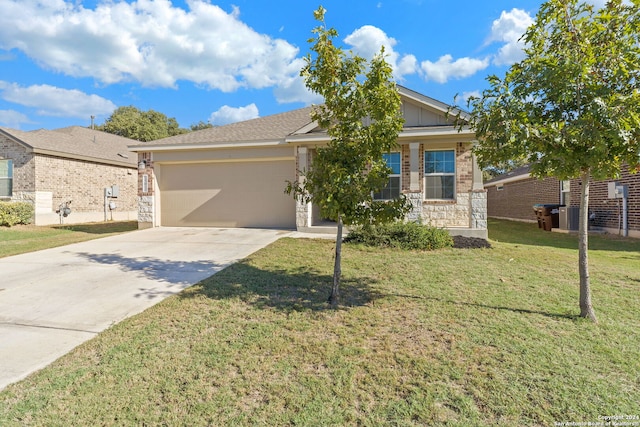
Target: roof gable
78	143
423	111
420	112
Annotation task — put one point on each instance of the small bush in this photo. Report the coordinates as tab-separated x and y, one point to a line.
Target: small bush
402	235
12	213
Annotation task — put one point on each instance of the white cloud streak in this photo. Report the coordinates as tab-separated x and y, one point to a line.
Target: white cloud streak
367	41
508	29
227	114
54	101
12	118
148	41
445	68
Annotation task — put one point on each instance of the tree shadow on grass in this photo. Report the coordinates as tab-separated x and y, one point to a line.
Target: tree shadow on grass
492	307
292	290
100	227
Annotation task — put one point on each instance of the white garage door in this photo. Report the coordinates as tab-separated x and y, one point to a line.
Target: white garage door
236	194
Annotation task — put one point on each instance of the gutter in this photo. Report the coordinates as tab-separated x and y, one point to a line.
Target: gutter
186	147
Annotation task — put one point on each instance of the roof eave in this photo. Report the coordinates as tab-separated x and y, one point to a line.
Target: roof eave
207	146
433	103
437	131
17	140
507	180
83	158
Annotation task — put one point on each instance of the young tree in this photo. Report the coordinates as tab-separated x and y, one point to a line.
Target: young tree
133	123
361	113
571	108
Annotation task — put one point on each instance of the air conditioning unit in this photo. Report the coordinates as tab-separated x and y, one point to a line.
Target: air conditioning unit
569	218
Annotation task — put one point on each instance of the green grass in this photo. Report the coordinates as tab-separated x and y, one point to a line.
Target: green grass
28	238
455	337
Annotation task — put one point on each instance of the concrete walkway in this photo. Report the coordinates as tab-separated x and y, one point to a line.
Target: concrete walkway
53	300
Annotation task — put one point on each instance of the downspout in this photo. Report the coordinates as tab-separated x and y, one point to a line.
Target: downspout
625	226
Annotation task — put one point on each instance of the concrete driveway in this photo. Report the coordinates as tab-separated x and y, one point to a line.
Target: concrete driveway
55	299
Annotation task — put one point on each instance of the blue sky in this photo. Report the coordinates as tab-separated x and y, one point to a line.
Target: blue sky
62	61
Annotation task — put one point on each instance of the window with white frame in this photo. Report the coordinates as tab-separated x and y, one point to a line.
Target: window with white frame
6	178
392	189
440	174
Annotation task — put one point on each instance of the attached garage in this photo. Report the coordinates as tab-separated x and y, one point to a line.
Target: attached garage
235	175
227	194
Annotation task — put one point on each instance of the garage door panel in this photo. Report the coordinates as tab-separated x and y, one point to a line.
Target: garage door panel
243	194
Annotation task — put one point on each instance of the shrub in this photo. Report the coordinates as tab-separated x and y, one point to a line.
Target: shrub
12	213
402	235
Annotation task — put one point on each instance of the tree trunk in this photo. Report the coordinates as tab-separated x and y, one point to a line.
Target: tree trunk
586	309
335	290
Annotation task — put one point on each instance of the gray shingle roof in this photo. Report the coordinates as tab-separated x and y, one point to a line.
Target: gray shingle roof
268	128
522	171
78	143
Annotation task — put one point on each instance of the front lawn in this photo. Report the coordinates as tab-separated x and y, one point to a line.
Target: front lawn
28	238
460	337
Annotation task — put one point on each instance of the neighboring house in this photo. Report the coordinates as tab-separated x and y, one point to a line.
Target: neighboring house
51	167
512	196
235	175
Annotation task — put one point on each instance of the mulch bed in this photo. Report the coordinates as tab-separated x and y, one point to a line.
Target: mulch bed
462	242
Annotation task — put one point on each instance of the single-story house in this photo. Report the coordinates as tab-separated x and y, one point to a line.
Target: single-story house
235	175
512	196
52	167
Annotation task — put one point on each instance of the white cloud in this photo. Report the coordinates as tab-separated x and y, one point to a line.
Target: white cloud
473	94
445	68
226	114
366	42
12	118
54	101
508	29
146	41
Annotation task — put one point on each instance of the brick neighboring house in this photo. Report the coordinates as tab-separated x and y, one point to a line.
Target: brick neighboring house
512	196
50	167
235	175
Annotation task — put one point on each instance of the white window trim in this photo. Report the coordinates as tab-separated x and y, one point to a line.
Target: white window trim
454	174
9	178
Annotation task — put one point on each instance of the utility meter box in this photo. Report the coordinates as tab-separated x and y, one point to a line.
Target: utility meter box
617	191
113	191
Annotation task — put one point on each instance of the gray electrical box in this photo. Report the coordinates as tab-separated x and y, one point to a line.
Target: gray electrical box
113	191
617	191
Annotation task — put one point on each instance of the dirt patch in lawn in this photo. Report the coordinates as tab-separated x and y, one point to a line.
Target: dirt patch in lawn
462	242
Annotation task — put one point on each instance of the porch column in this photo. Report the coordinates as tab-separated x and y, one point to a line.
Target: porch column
478	199
146	191
414	195
414	166
477	174
303	210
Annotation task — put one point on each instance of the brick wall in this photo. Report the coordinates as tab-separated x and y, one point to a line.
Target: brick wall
464	168
84	183
609	211
23	164
516	199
